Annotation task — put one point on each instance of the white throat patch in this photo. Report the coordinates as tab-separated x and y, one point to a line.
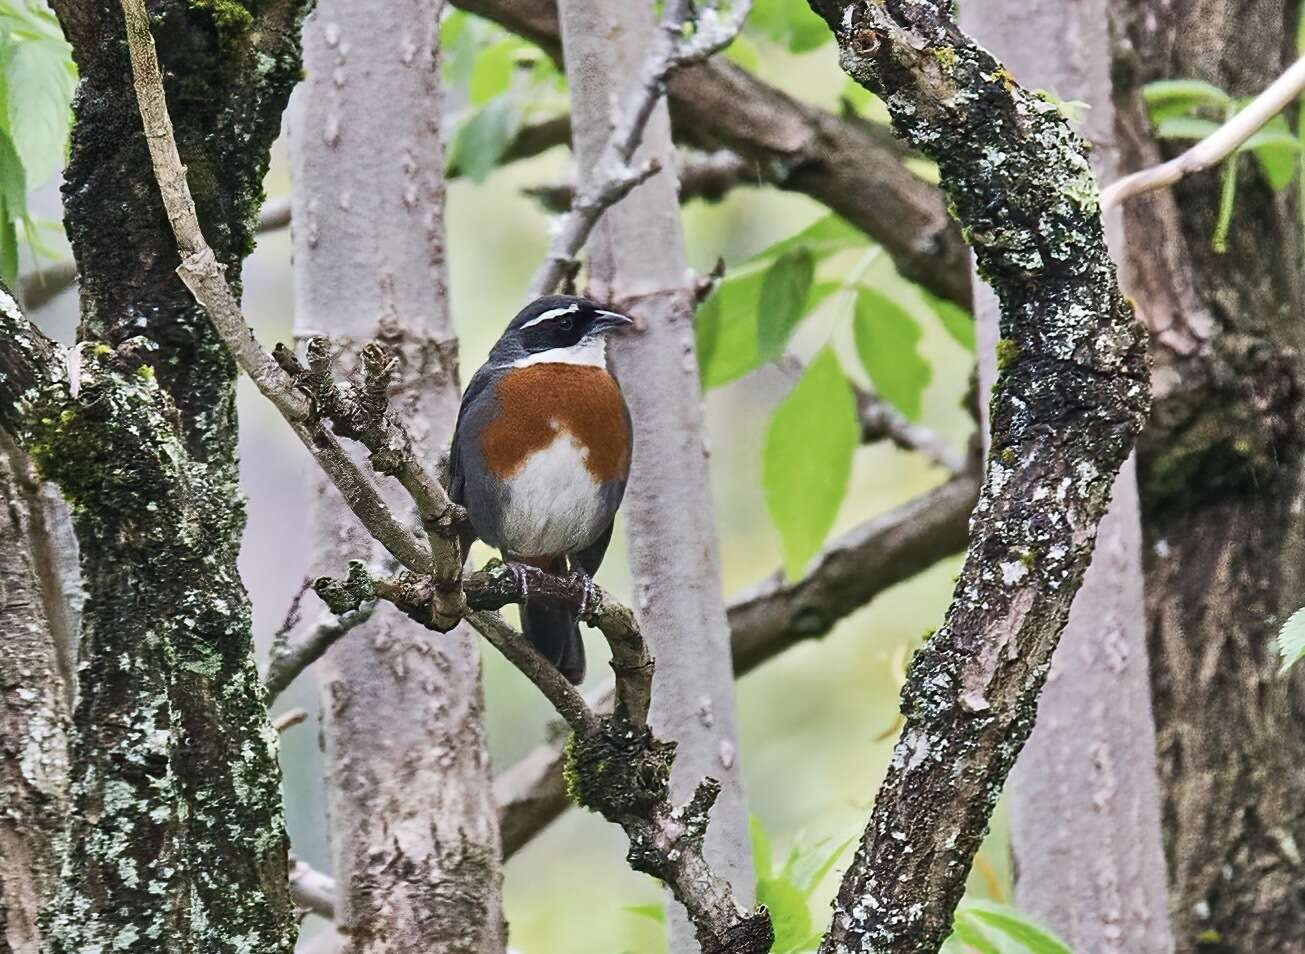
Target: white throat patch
589	351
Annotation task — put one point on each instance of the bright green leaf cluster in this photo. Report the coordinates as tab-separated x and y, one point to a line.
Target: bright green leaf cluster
789	23
740	327
1189	109
504	80
985	927
37	78
787	892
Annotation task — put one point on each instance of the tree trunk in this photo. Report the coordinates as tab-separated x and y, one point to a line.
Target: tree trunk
1084	805
1221	482
636	261
177	840
33	716
413	828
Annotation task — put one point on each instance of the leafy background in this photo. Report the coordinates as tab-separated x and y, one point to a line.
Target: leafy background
808	319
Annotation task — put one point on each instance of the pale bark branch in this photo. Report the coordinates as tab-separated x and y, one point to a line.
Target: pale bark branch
879	419
290	658
772	617
311	889
1072	396
672	49
1217	146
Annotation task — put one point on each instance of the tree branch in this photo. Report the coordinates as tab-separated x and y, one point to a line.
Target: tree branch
710	177
772	617
288	659
312	890
1217	146
672	49
1073	392
619	769
203	275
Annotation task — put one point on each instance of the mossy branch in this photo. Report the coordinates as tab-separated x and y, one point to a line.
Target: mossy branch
1068	405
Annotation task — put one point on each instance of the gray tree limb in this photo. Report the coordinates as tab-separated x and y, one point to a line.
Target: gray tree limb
413	832
1083	797
636	258
1072	395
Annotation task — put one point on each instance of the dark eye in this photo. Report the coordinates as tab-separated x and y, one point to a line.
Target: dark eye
566	323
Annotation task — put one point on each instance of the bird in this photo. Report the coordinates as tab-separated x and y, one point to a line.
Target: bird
541	455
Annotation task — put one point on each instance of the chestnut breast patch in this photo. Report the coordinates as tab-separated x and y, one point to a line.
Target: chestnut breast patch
540	403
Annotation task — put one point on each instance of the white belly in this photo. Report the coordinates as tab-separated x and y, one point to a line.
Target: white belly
554	504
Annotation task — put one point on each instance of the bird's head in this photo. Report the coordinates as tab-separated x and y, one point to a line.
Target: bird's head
562	329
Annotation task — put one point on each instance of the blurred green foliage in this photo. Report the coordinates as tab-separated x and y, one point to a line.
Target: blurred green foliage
37	77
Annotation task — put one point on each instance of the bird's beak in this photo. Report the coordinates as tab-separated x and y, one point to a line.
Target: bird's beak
611	321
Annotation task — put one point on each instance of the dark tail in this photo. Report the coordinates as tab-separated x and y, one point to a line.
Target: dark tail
554	632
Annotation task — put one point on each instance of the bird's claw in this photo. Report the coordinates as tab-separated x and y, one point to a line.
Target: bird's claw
588	592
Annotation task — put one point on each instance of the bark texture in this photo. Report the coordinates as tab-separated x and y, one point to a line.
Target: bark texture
1084	800
413	830
636	260
1071	396
33	715
1221	482
177	840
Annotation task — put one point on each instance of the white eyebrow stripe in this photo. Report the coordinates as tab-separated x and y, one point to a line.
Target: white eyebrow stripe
550	315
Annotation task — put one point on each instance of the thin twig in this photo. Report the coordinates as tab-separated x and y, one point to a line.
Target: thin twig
879	419
1217	146
289	719
671	49
710	177
311	889
288	660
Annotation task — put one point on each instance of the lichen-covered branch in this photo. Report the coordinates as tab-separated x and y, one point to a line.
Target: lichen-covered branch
1072	393
290	658
677	43
769	619
33	714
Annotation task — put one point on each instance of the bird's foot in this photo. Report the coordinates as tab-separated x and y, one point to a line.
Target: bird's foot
588	592
522	574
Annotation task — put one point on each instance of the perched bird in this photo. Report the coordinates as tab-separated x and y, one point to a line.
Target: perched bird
541	455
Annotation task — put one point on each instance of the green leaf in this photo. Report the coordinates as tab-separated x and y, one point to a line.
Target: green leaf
788	913
1166	98
1291	640
789	23
782	304
956	321
886	339
8	245
808	880
1031	937
726	330
481	139
971	936
13	179
807	459
822	237
39	78
743	52
653	912
1185	127
492	74
1277	151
